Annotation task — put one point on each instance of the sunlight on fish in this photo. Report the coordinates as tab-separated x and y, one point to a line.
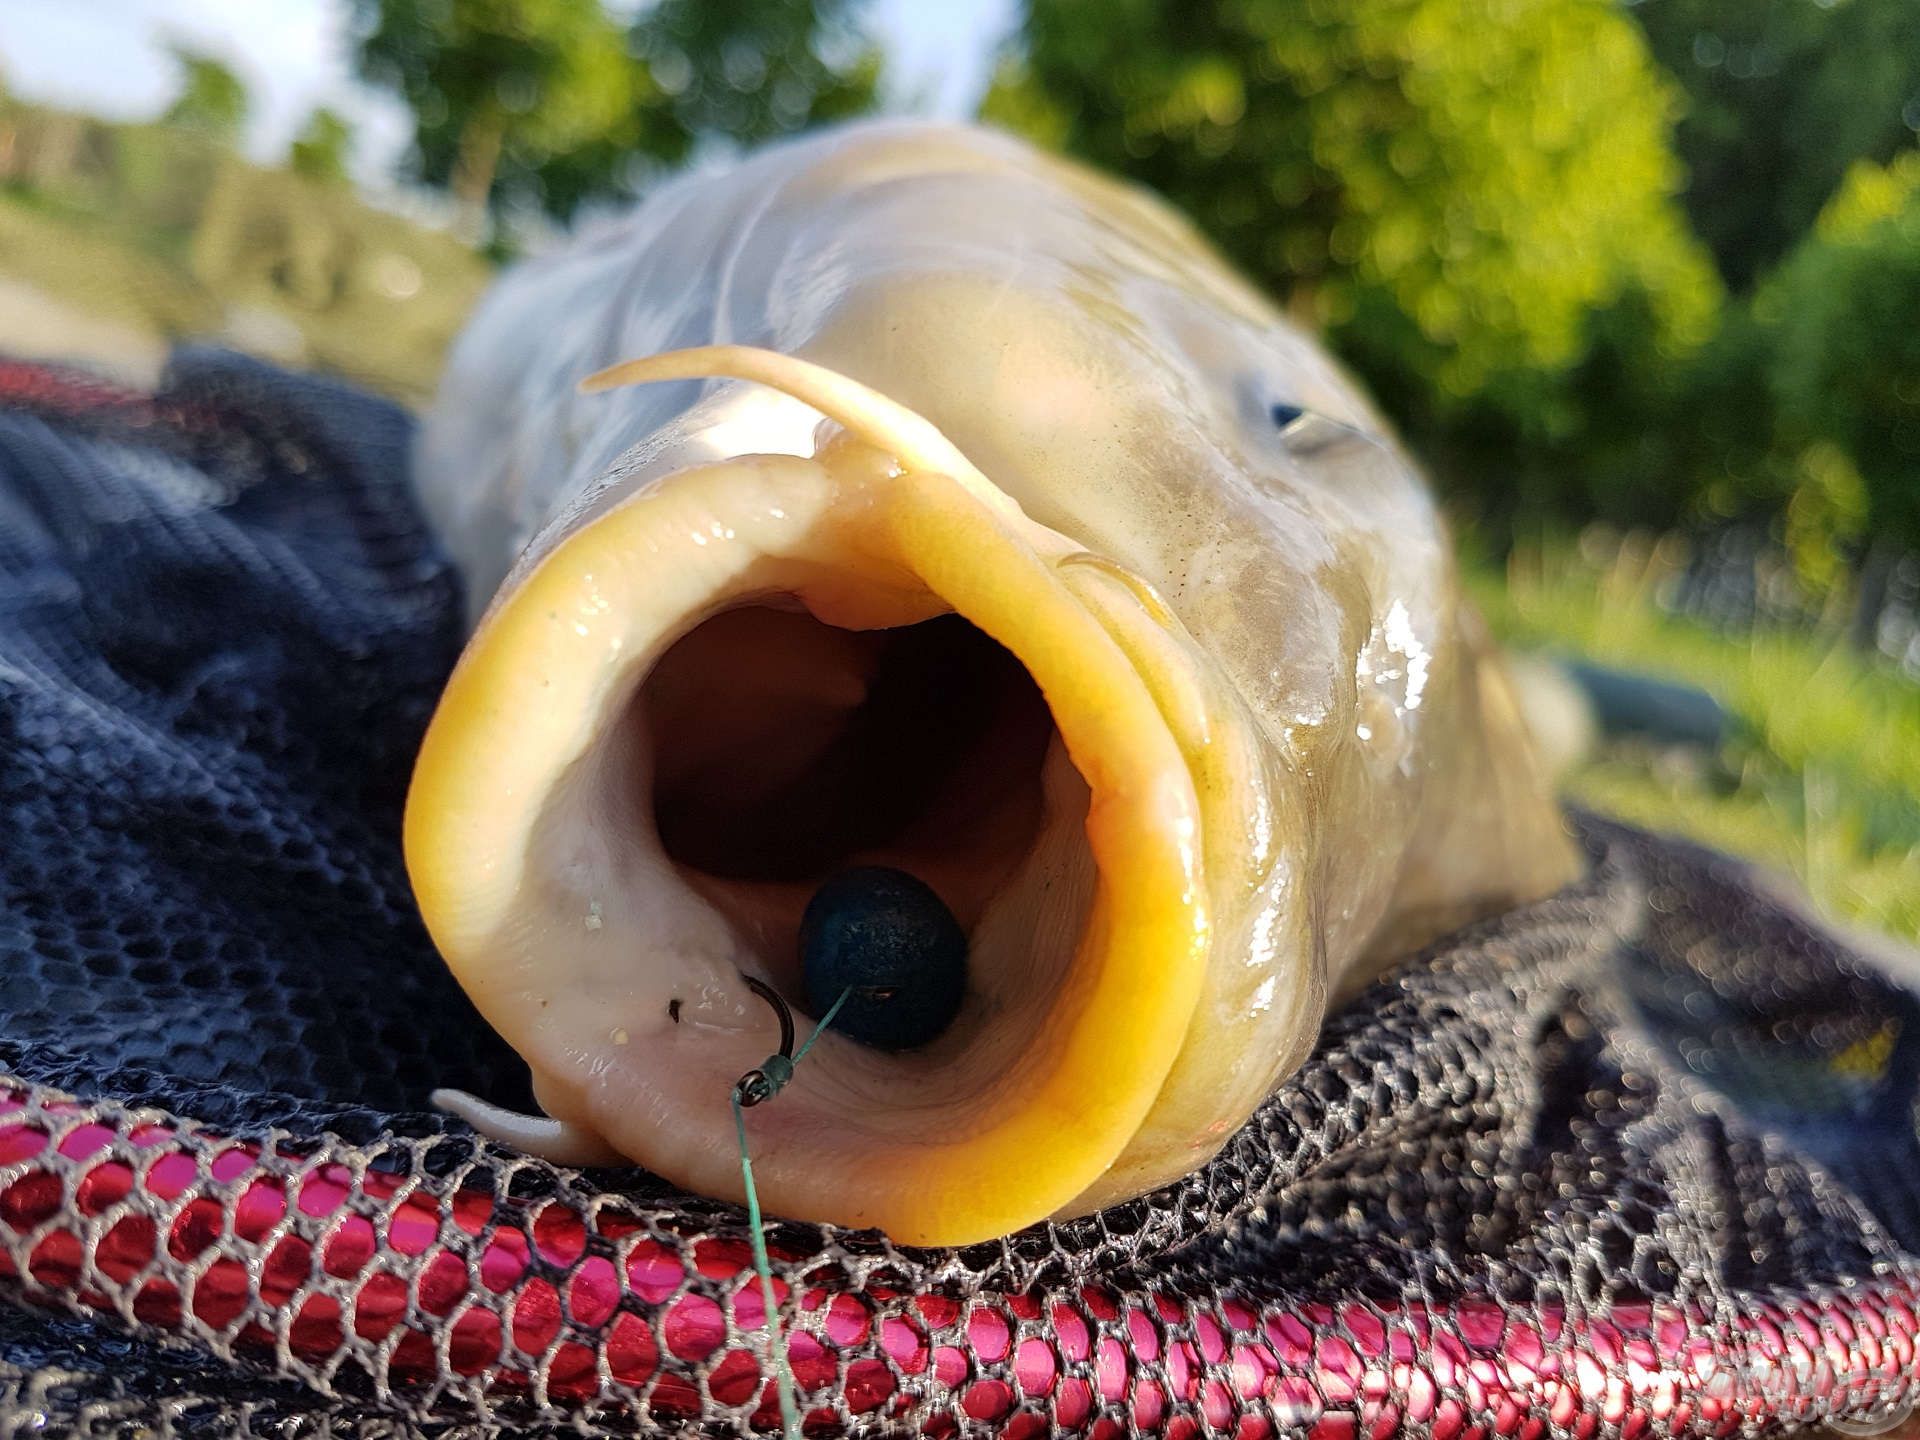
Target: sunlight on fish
942	507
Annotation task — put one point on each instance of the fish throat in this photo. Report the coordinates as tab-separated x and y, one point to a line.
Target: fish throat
786	750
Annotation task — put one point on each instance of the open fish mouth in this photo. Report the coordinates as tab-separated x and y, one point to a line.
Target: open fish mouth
702	702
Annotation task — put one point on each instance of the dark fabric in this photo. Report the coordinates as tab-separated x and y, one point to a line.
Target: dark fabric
222	630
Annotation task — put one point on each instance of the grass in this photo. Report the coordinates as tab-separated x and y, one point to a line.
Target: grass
340	285
1821	777
68	258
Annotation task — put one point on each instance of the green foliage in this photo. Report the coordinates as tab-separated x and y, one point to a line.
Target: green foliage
745	71
1822	778
354	290
1783	96
212	98
320	150
1457	186
553	103
1474	201
93	270
144	179
167	232
1839	320
514	101
1872	193
1826	518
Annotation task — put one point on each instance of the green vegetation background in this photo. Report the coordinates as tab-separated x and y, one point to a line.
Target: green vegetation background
1629	276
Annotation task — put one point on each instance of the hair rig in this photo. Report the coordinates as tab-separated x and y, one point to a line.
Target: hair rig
890	956
895	959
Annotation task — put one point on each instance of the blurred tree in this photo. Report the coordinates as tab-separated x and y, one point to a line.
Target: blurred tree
1783	96
748	70
1844	363
1458	203
212	98
320	150
555	102
507	95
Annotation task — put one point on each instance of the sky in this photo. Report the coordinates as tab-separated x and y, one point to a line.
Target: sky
111	57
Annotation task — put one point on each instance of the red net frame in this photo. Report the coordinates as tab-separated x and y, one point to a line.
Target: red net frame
369	1277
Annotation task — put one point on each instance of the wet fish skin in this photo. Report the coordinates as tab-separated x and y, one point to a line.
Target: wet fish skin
1362	776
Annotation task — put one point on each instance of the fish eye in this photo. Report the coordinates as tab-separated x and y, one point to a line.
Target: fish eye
1307	432
1303	432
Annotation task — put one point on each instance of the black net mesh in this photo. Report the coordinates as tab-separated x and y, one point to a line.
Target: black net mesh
1640	1159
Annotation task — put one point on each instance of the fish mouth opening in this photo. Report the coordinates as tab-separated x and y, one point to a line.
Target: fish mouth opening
787	749
695	702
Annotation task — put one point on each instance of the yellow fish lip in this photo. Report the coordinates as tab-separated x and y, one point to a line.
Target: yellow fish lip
567	930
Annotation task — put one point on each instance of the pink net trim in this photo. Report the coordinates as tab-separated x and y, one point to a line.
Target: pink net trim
436	1297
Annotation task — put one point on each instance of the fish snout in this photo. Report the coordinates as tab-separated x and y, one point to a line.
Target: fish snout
706	702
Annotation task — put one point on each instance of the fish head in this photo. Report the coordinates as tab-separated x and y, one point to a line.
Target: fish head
1034	555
